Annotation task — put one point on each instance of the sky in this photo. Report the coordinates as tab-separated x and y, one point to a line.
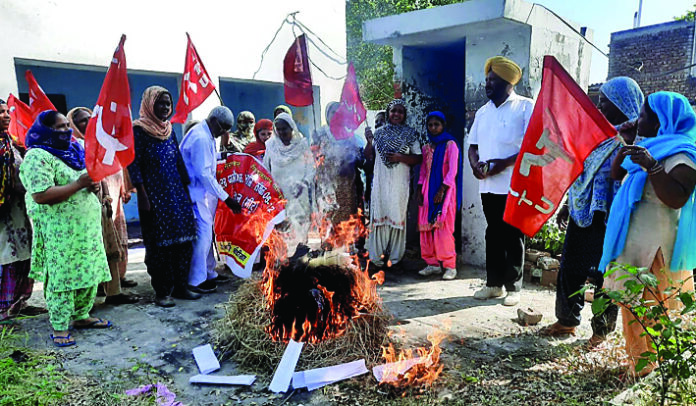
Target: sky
607	16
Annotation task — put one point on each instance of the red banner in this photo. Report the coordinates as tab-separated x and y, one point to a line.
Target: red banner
109	135
240	236
195	84
38	101
351	112
297	74
20	119
564	129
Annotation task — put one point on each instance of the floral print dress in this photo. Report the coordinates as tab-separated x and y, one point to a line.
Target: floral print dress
68	251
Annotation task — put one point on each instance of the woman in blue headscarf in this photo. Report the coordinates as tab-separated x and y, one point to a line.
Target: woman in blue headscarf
651	224
67	253
585	214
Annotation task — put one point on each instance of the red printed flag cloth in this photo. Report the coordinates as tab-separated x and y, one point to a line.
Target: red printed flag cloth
109	145
297	74
20	119
240	236
351	112
564	129
38	101
195	84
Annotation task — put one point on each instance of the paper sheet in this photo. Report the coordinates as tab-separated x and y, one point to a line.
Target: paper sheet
223	380
205	359
286	367
391	371
316	378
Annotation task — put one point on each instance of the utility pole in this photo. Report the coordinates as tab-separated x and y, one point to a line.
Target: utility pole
638	14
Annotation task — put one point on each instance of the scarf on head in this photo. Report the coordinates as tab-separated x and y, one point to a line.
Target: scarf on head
148	121
436	170
242	128
283	107
392	138
71	119
677	134
626	95
258	147
59	143
287	153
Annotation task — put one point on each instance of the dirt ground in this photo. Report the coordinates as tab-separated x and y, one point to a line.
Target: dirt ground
160	340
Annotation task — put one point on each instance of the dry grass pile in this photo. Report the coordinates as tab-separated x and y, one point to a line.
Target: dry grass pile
241	336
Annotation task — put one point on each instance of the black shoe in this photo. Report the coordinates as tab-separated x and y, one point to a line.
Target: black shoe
186	294
164	301
206	287
128	283
120	299
221	279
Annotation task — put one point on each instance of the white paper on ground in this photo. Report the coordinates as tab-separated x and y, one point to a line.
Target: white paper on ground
205	359
394	369
223	380
316	378
286	367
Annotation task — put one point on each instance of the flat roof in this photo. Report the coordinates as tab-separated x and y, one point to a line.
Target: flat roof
450	23
650	29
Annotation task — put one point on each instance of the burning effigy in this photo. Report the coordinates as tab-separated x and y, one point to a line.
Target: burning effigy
325	299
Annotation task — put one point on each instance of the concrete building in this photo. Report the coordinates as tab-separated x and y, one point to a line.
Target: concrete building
439	55
656	57
69	44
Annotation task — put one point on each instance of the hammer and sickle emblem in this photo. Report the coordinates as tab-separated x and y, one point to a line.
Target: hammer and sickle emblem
106	139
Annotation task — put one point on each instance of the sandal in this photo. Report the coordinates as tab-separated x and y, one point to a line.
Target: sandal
70	342
557	330
97	323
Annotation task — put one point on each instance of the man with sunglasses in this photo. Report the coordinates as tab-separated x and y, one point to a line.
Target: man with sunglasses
200	157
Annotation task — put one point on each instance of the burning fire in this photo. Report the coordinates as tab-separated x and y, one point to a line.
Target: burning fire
409	368
314	300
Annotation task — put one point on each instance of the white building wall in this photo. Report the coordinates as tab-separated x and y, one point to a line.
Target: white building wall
229	35
513	43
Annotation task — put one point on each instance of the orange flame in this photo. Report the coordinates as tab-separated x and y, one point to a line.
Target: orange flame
409	368
365	299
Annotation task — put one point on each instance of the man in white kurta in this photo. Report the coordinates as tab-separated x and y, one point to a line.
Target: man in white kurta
200	155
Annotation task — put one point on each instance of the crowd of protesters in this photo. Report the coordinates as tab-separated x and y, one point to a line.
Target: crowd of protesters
632	204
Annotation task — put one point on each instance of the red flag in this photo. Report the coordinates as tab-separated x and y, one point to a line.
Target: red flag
20	116
109	134
351	113
38	101
240	236
298	77
564	129
195	84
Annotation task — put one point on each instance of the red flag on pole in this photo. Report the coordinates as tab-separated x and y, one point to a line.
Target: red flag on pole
20	119
297	74
38	101
195	84
109	134
564	129
351	112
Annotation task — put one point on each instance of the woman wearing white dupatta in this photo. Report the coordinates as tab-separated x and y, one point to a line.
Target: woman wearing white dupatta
291	164
396	149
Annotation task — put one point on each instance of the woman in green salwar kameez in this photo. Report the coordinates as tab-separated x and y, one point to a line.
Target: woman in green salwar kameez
68	252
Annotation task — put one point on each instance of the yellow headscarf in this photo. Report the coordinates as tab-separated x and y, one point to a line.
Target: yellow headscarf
505	68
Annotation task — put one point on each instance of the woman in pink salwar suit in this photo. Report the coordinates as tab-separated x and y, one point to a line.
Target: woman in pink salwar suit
438	201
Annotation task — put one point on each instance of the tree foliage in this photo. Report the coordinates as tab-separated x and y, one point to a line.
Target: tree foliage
688	16
373	63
